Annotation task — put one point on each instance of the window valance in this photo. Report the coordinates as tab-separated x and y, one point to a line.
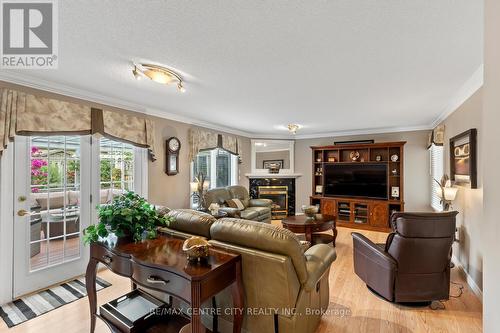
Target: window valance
436	136
138	131
200	139
27	114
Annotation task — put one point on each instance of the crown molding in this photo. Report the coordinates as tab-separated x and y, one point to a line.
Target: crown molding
468	89
65	90
365	131
464	93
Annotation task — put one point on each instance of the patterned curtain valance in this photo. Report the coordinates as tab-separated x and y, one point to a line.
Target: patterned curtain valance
436	136
201	140
230	143
137	131
26	114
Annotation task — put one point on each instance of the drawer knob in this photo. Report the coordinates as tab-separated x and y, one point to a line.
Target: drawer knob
107	259
156	280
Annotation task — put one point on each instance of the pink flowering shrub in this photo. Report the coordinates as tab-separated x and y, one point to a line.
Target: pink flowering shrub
38	170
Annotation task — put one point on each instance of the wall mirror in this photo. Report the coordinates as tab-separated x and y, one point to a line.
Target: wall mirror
266	153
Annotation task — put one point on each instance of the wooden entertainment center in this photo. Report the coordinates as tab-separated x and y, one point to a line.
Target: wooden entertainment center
360	212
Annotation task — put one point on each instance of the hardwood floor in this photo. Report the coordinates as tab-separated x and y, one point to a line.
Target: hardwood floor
354	308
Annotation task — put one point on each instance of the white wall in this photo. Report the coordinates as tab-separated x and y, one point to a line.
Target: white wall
491	138
469	202
416	166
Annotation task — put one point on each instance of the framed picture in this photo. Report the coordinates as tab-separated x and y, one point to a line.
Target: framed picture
463	158
266	164
395	191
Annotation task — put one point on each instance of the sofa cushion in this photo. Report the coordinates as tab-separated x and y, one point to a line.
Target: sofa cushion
191	221
261	236
56	200
115	192
248	214
260	210
103	196
235	203
73	198
162	210
217	195
240	192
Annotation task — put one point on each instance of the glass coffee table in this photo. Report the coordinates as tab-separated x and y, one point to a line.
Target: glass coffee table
313	228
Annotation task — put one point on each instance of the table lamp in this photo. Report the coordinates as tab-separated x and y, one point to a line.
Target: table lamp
198	189
447	194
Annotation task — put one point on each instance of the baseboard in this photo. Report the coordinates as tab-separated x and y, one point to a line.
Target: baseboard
470	281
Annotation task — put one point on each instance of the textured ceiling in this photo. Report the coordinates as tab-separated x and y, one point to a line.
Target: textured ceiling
251	66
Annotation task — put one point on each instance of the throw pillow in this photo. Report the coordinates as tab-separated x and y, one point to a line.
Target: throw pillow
235	203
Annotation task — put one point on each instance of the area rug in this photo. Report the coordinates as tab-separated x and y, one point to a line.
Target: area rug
34	305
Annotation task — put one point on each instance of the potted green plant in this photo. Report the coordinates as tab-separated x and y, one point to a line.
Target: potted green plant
128	216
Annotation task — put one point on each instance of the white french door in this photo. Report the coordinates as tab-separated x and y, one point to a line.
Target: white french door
52	206
58	182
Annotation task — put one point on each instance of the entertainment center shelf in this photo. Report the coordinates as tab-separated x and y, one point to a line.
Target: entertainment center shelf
359	184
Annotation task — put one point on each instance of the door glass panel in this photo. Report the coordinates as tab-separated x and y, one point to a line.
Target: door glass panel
54	199
117	168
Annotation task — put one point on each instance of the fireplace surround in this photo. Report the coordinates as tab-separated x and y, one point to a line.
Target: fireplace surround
280	190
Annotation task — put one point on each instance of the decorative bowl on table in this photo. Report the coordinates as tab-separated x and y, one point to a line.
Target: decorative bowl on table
196	248
310	211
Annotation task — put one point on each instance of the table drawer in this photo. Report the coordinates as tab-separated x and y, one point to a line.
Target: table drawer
158	279
116	263
321	227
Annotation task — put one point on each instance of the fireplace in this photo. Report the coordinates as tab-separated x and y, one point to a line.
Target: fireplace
280	190
279	196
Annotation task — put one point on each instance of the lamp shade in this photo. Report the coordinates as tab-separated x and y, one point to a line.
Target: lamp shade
194	186
450	193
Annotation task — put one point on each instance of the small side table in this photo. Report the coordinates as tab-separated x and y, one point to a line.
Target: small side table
300	224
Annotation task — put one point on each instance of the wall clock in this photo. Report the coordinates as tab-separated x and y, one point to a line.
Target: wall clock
172	160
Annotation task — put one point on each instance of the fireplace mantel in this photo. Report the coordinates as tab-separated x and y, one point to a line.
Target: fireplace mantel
273	175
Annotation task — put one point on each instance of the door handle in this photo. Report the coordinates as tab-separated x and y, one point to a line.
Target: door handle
23	212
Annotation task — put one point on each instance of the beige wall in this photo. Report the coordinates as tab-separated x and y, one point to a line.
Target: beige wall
469	202
284	155
173	191
491	138
416	168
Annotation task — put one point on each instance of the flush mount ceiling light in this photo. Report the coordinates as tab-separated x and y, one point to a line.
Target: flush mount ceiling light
158	74
292	128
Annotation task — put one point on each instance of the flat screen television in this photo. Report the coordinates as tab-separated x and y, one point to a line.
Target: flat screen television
367	180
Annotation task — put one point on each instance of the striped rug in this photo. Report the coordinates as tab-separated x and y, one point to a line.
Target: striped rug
35	305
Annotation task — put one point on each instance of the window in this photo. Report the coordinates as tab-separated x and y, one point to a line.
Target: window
219	166
436	168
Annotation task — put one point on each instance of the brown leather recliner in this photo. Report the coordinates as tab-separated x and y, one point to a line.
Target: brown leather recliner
414	263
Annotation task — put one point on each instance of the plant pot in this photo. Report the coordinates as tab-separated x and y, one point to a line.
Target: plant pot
126	238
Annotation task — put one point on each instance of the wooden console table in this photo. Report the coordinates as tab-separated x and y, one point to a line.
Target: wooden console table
160	264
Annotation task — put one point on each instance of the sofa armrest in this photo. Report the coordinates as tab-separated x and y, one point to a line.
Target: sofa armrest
318	261
374	266
260	203
231	212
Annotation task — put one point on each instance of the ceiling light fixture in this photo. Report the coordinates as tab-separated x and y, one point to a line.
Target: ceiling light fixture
292	128
136	73
159	74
